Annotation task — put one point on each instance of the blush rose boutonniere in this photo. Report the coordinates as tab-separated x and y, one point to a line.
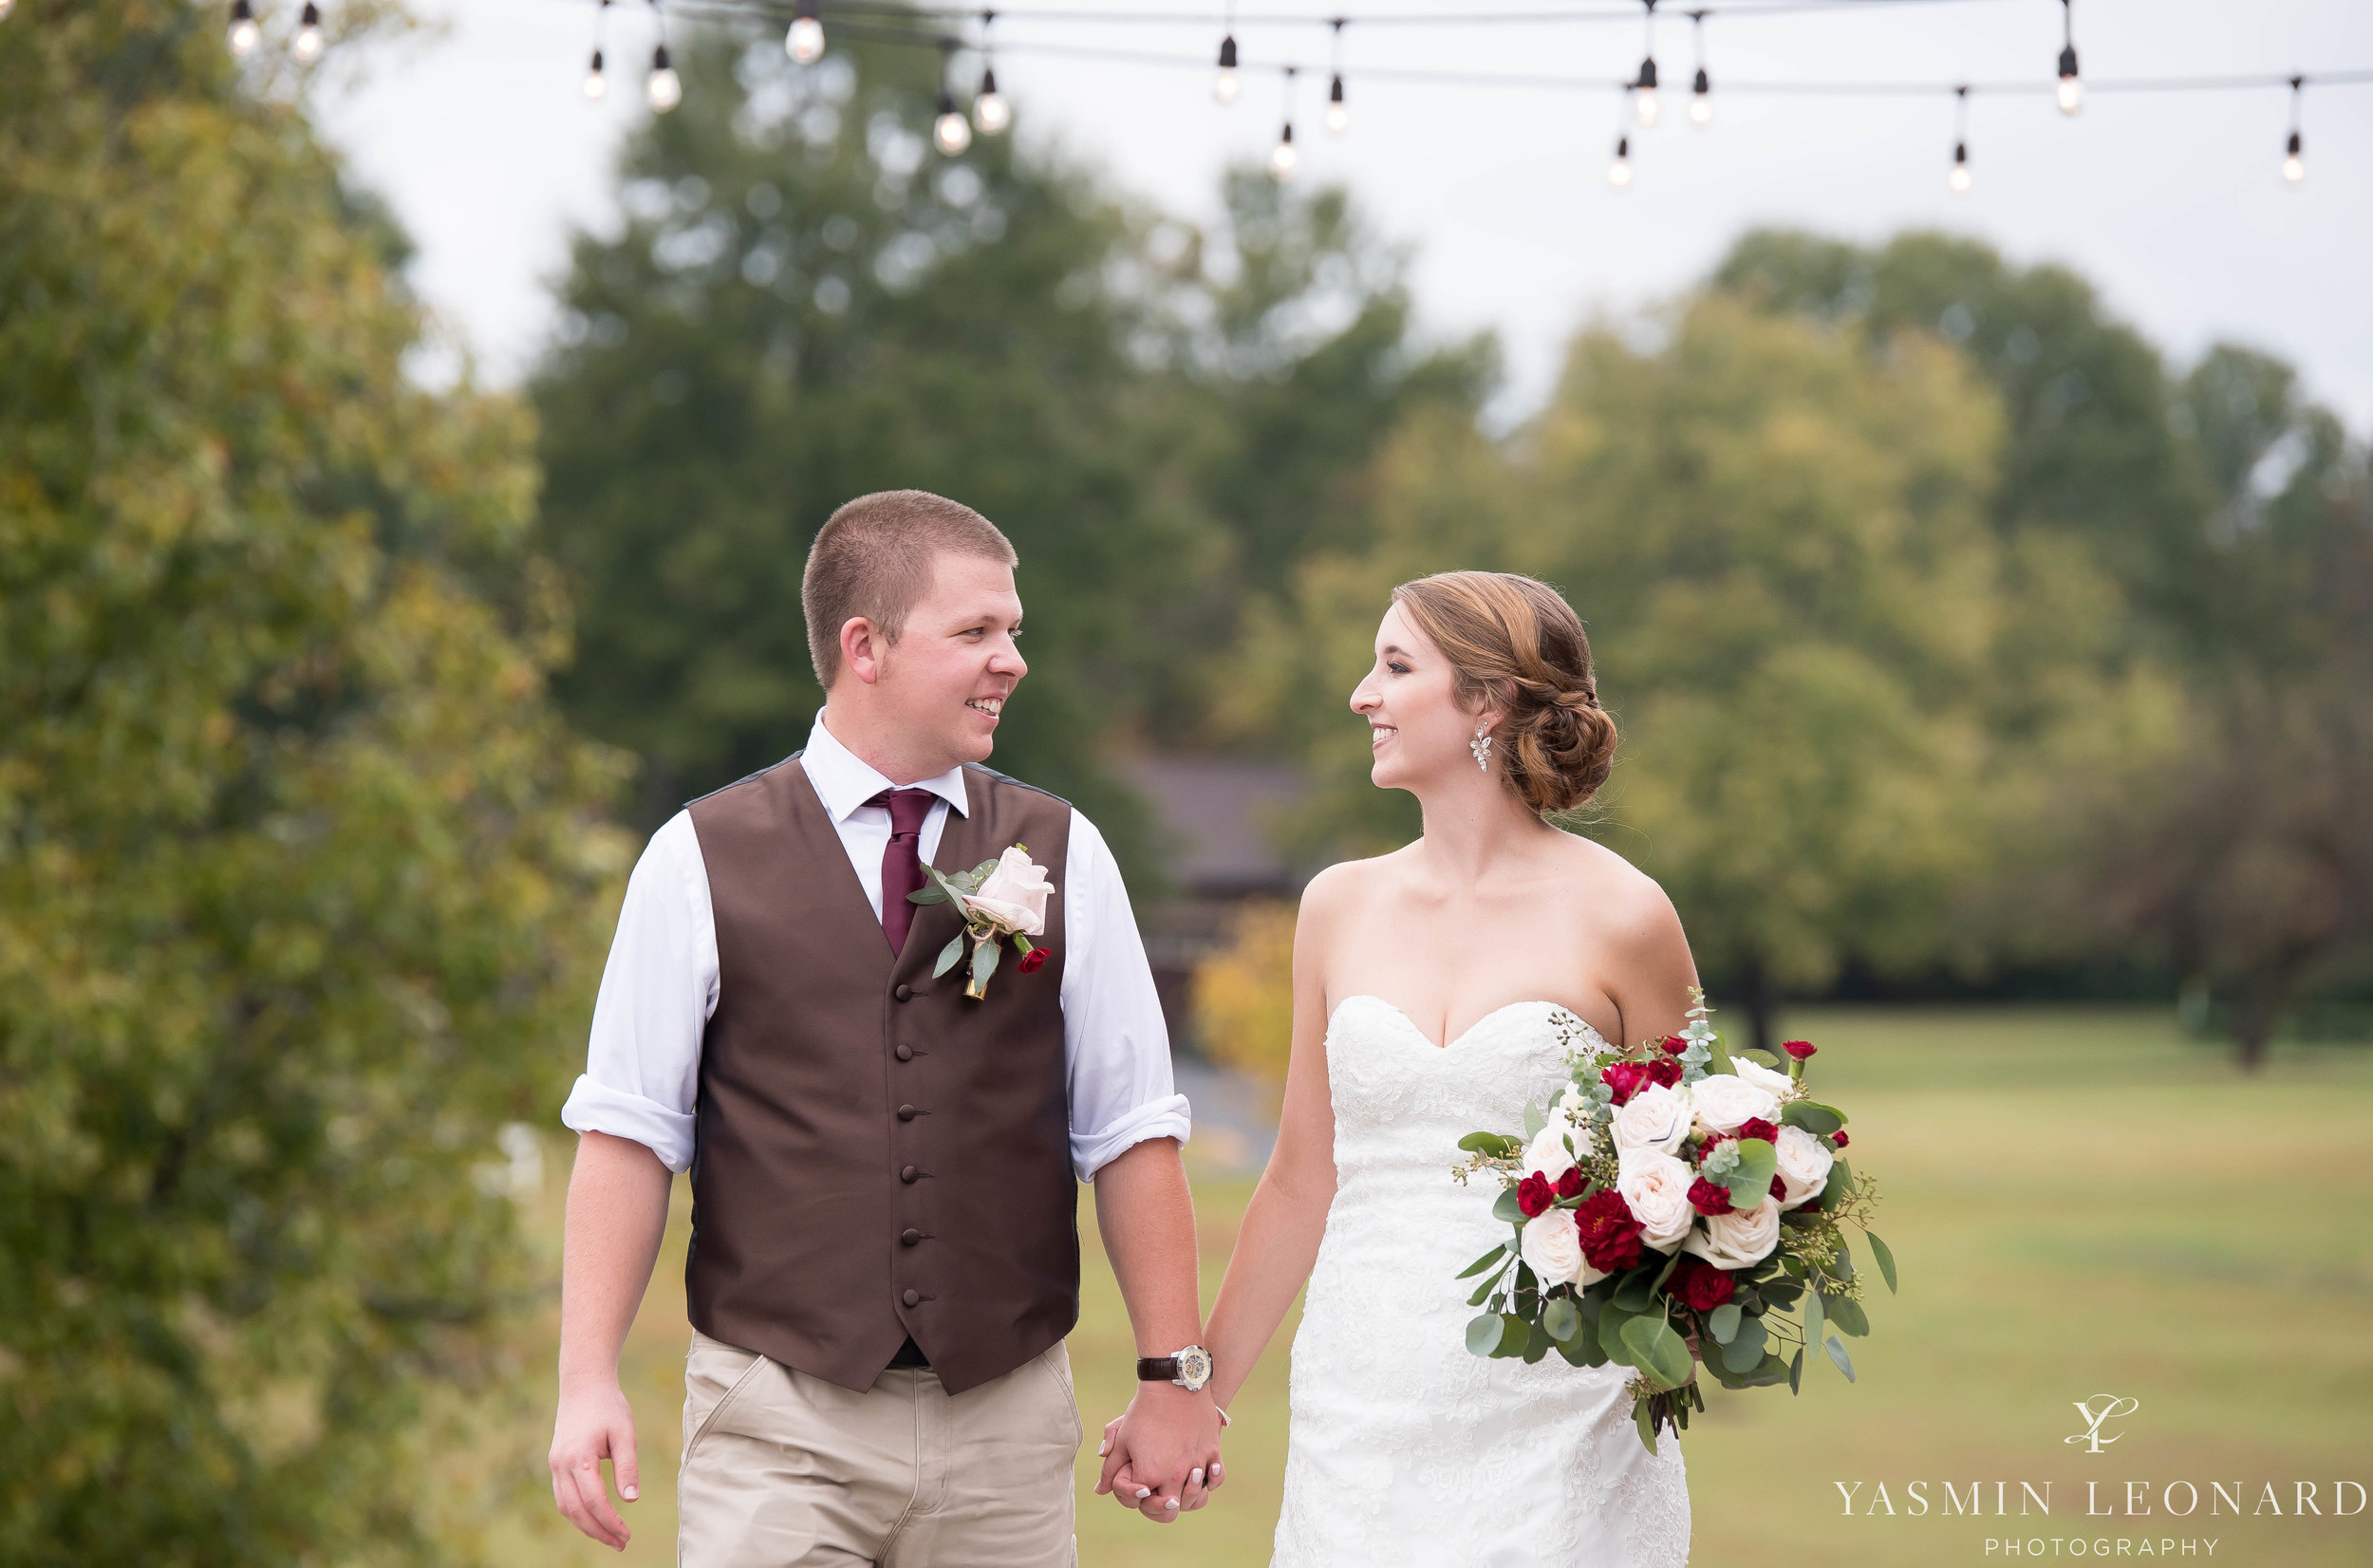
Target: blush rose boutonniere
999	901
1677	1210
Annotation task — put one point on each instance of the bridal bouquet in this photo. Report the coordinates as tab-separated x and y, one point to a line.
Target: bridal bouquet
1669	1207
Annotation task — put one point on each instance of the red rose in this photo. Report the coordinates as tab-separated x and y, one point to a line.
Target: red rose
1625	1078
1673	1045
1799	1049
1534	1194
1755	1127
1664	1069
1778	1189
1609	1234
1837	1139
1709	1198
1700	1285
1570	1185
1033	960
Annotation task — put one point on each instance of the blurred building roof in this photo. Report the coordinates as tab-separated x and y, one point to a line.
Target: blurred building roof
1218	818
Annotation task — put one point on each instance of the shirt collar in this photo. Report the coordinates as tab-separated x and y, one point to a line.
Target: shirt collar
845	781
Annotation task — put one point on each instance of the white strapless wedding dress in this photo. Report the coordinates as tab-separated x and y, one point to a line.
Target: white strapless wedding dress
1406	1449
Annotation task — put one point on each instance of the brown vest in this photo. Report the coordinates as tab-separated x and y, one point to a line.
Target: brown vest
877	1155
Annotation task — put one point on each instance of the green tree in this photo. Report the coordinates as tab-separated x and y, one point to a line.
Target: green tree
1781	548
297	865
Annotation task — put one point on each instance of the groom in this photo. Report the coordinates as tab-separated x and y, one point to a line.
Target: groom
884	1256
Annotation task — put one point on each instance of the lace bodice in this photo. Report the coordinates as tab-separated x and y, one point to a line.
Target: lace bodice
1405	1448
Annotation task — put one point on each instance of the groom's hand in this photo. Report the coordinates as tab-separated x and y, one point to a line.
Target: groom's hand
1161	1457
595	1423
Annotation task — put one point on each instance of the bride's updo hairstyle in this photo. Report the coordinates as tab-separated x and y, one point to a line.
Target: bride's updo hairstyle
1513	640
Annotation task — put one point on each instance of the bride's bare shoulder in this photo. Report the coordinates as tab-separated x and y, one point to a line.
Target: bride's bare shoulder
1632	903
1348	882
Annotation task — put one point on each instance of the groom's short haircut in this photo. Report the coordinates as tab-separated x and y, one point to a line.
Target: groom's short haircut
875	556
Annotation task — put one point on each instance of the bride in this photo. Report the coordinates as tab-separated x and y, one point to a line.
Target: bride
1436	990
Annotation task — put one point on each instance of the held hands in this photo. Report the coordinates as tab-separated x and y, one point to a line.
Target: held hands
595	1422
1162	1454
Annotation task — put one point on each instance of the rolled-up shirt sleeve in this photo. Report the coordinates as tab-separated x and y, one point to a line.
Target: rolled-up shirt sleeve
642	1061
1115	1044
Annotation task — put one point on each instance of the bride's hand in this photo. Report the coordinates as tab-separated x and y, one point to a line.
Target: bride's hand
1162	1493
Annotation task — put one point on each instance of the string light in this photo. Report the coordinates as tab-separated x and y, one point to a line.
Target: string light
594	83
1701	90
805	41
989	109
1223	88
2295	162
2071	90
308	39
244	32
1338	113
1958	181
1644	89
950	129
1620	172
1281	157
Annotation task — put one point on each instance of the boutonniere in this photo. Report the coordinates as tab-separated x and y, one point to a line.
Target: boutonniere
1002	900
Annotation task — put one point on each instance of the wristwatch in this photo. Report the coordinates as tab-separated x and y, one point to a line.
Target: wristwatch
1191	1368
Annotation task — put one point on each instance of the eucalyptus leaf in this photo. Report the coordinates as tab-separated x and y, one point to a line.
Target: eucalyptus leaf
984	965
1646	1423
1840	1185
1515	1334
1796	1370
1484	1262
1562	1319
1744	1353
1483	1290
1847	1315
948	955
1836	1348
1658	1350
1537	1345
1812	1317
1886	1260
1483	1334
1723	1322
1505	1207
1498	1145
981	873
1811	1115
1610	1321
1534	1120
933	894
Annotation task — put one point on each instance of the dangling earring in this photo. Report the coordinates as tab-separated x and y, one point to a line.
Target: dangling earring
1481	746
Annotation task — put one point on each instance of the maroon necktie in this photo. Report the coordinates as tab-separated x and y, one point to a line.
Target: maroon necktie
901	860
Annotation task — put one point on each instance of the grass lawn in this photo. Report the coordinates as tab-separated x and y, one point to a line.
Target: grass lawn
2081	1202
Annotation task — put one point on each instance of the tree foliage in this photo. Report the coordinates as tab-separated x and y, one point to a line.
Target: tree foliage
296	861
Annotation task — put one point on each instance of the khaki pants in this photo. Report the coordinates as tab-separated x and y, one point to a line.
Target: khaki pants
785	1470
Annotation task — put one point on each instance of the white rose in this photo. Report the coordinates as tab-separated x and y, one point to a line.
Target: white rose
1775	1084
1655	1117
1737	1240
1804	1163
1724	1101
1546	1154
1016	893
1657	1188
1552	1246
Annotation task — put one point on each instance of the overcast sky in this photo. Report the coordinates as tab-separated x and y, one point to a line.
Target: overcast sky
2172	204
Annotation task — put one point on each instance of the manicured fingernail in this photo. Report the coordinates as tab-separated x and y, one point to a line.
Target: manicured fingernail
628	1492
1171	1504
1196	1477
1102	1448
1144	1491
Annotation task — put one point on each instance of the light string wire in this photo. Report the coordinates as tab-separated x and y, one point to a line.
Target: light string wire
765	9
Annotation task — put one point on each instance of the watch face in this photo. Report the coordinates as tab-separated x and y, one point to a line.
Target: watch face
1194	1366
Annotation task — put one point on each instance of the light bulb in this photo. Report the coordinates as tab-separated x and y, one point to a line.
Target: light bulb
244	32
989	110
595	84
805	41
1620	172
662	88
1644	103
951	130
1224	88
1281	156
308	39
2294	165
2071	92
1958	181
1701	101
1338	112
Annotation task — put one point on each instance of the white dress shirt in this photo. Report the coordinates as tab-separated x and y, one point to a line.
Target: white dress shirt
643	1065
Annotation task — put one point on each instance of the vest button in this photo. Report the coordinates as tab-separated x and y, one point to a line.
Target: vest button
905	1114
908	1175
904	991
911	1297
905	1052
911	1237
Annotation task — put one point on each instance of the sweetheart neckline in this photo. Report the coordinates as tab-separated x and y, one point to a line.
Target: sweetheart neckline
1452	1044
